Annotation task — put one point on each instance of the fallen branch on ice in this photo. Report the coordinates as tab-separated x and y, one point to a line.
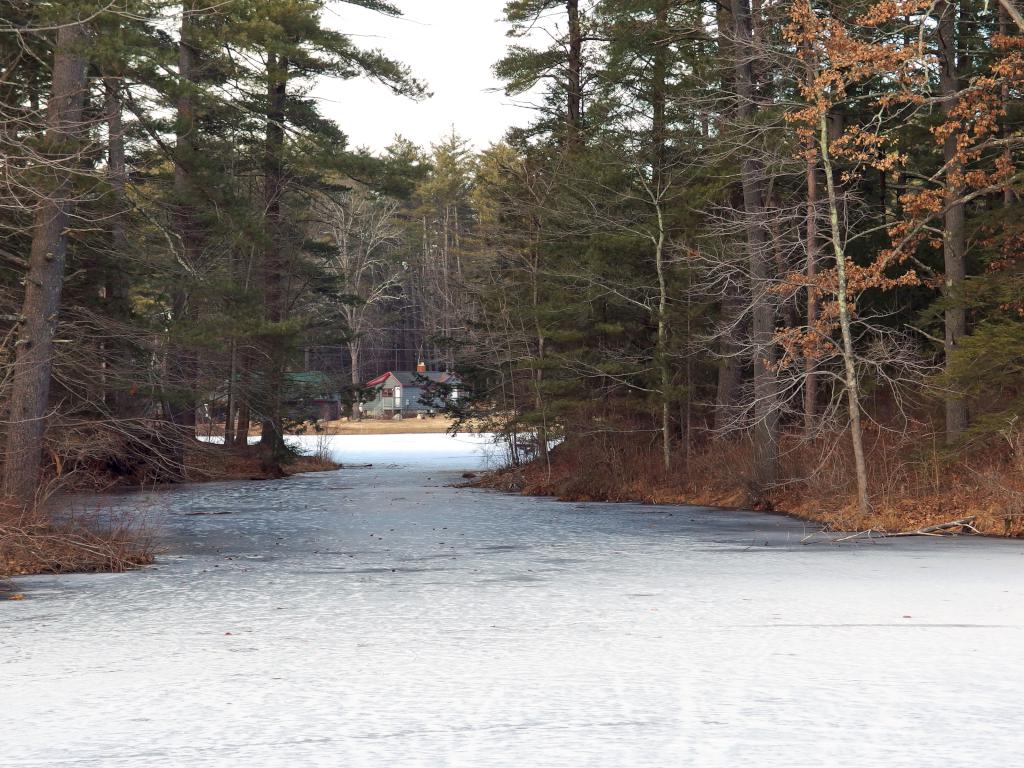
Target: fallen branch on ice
952	528
944	529
870	532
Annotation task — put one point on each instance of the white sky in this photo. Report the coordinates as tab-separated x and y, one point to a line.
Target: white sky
450	44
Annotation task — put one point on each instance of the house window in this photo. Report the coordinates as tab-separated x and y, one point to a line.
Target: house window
387	392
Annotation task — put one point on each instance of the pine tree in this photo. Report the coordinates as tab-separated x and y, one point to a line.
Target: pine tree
563	63
37	322
296	46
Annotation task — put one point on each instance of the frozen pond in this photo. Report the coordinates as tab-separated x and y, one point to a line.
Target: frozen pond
374	617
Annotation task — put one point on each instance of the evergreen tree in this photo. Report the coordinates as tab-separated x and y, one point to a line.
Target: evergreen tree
294	47
54	197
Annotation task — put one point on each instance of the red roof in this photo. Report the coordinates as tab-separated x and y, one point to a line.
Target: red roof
379	380
414	378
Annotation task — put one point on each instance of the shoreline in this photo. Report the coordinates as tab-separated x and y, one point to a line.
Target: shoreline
831	515
427	426
34	545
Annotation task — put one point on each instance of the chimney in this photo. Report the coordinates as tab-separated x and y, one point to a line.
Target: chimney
421	368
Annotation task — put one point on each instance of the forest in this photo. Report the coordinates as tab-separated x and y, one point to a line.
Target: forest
745	253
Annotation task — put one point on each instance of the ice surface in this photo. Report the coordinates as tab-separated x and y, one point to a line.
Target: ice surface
374	617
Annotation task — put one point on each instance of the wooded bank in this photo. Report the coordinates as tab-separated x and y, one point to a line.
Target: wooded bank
785	234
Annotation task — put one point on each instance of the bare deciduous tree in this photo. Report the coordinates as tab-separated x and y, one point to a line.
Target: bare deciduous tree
366	233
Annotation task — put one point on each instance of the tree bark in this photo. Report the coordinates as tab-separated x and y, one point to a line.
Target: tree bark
728	374
1010	8
181	408
354	355
116	289
272	418
357	375
659	87
574	106
849	360
33	362
766	412
728	368
539	401
663	365
244	399
232	404
810	363
953	242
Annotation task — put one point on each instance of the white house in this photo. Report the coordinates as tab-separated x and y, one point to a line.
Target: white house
409	393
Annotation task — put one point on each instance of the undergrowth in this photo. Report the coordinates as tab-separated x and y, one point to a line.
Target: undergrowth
35	542
42	541
914	480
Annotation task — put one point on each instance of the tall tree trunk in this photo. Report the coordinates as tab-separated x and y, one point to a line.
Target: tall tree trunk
663	364
115	288
659	87
953	241
272	439
539	401
357	375
354	356
1011	10
728	370
811	246
182	408
730	307
687	414
849	360
33	361
244	398
232	404
574	107
766	412
242	424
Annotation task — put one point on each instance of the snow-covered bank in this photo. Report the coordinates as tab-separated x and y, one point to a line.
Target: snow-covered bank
407	450
376	617
477	451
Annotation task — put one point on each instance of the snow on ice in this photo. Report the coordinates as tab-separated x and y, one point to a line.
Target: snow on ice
376	617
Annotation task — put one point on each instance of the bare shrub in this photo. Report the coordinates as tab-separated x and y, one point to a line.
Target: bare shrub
914	480
100	540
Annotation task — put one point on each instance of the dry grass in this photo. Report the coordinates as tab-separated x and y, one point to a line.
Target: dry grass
424	426
36	542
207	462
913	481
435	425
32	543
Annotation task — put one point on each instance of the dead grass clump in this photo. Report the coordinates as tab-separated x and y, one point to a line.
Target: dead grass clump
32	543
914	482
602	466
314	463
206	462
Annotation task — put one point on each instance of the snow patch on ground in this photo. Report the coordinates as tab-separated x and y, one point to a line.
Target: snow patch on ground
408	451
376	617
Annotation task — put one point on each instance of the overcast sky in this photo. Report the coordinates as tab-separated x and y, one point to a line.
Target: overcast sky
452	45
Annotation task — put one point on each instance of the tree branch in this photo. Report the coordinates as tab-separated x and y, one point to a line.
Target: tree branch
1011	9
